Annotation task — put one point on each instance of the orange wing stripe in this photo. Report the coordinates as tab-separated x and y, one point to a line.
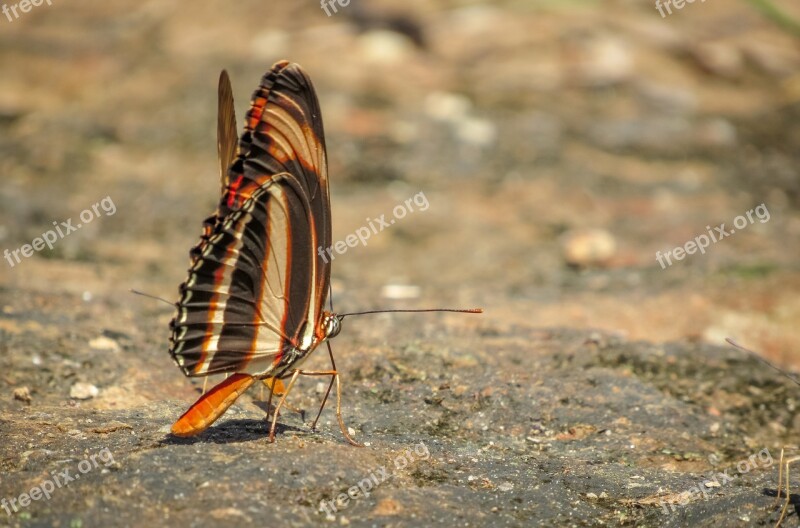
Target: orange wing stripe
211	405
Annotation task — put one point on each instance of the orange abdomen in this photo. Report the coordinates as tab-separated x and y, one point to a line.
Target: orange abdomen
212	405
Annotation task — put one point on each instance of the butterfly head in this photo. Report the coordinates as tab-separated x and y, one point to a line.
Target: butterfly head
332	324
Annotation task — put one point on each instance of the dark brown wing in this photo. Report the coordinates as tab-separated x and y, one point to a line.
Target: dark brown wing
226	128
258	283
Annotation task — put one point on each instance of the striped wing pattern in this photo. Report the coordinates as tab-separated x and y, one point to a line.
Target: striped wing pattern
254	298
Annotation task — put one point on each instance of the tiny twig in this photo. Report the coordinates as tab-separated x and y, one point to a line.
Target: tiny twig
740	347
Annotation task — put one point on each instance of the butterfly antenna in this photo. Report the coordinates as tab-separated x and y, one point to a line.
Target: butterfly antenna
143	294
740	347
456	310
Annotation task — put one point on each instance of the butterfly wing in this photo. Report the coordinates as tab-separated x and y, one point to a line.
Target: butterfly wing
257	284
226	128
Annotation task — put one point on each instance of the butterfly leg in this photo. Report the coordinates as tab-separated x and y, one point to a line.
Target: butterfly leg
335	375
269	401
780	479
276	386
327	392
785	464
269	383
322	405
339	413
280	404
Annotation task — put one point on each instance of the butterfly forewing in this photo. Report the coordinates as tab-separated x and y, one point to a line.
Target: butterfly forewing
257	286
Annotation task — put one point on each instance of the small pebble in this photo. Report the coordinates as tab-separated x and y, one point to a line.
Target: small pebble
589	247
400	291
104	343
22	394
83	391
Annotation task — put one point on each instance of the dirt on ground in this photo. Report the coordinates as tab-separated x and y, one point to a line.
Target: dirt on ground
569	166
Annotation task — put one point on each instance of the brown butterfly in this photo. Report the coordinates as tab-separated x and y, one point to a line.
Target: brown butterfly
253	304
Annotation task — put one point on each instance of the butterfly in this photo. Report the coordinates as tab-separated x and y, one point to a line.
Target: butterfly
253	305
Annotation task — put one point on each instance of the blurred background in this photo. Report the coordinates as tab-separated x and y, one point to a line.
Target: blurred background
560	146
